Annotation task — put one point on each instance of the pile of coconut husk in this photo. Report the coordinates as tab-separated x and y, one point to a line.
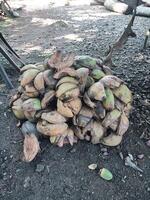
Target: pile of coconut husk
69	98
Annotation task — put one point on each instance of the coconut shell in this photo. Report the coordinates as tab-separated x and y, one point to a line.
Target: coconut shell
114	125
27	67
111	81
51	129
28	128
88	101
127	109
54	59
111	140
75	105
63	109
109	102
84	116
85	61
97	74
30	115
48	97
48	79
70	95
63	88
82	74
107	70
77	131
65	72
97	132
53	117
123	93
58	62
30	88
30	147
39	82
28	76
123	125
90	81
119	105
111	117
97	91
67	79
100	110
17	109
32	104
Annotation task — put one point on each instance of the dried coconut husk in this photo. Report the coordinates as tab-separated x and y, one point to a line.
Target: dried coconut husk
30	147
51	129
75	97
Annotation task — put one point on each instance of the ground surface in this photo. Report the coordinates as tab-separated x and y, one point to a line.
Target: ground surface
84	30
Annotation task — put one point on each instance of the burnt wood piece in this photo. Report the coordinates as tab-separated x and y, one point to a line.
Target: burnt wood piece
121	40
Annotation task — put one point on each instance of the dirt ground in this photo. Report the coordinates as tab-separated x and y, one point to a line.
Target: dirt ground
64	173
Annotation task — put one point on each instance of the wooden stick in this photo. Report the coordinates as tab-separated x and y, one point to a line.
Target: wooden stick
121	40
146	38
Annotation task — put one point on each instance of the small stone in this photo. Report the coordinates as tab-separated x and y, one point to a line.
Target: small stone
4	174
10	176
106	153
148	189
5	158
39	168
48	170
27	182
73	150
11	156
103	149
18	170
148	143
4	178
1	103
3	165
67	190
140	156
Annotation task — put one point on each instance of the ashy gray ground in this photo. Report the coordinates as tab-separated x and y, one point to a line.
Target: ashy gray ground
84	30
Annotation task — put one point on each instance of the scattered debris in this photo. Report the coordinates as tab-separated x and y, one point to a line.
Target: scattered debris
106	153
140	156
104	149
92	166
121	155
40	168
129	162
27	182
105	174
59	100
148	143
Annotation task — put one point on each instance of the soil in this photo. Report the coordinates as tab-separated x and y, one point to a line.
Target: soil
64	174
